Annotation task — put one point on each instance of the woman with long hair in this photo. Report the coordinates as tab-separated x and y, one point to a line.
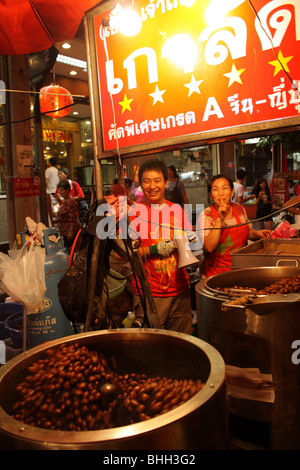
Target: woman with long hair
264	203
224	227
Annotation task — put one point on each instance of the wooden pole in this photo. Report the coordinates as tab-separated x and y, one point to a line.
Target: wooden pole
18	144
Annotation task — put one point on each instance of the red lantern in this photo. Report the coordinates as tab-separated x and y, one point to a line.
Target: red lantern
53	98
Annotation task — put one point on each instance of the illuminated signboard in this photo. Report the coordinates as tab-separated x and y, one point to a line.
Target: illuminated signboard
50	135
196	68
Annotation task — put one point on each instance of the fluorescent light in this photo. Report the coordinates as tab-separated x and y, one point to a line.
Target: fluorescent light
64	59
252	141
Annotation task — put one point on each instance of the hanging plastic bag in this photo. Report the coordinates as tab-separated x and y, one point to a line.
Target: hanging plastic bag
22	274
284	230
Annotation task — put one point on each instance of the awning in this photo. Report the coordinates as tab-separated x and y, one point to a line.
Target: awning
28	26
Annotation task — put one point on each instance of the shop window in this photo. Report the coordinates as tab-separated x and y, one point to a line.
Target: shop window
256	160
87	149
293	161
195	166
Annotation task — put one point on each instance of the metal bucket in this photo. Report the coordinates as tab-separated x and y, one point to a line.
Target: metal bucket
200	423
258	336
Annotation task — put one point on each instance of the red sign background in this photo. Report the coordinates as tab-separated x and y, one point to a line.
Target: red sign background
24	187
244	70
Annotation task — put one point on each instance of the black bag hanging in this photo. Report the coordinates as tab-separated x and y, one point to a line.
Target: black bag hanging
82	204
73	286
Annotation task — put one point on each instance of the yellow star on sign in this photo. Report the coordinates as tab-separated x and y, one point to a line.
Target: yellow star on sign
125	104
280	63
234	75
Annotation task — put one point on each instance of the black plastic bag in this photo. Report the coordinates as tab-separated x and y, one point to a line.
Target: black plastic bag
73	286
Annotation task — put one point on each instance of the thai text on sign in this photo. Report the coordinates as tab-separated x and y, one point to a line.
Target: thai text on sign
196	66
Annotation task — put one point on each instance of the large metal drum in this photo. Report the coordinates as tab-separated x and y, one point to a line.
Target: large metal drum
256	336
200	423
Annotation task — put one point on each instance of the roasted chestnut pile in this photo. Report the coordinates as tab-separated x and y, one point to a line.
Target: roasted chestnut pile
287	285
78	389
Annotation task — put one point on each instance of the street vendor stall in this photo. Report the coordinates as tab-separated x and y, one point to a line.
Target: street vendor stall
163	75
251	316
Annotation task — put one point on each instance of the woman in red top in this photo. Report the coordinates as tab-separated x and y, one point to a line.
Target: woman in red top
219	227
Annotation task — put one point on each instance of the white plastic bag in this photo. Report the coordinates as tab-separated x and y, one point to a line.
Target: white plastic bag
22	275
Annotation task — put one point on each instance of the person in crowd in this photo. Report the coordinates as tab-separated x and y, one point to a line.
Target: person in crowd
175	190
129	186
118	199
137	194
223	227
169	284
128	183
76	191
67	214
113	183
52	180
264	203
51	175
239	188
293	188
118	189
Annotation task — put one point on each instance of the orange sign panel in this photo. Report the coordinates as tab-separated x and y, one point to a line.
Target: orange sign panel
194	66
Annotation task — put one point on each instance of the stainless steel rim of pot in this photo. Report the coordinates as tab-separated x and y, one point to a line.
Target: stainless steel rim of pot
214	382
253	276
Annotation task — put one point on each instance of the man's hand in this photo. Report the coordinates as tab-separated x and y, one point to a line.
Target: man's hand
163	248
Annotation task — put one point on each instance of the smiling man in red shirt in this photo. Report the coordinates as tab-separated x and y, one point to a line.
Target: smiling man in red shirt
157	222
